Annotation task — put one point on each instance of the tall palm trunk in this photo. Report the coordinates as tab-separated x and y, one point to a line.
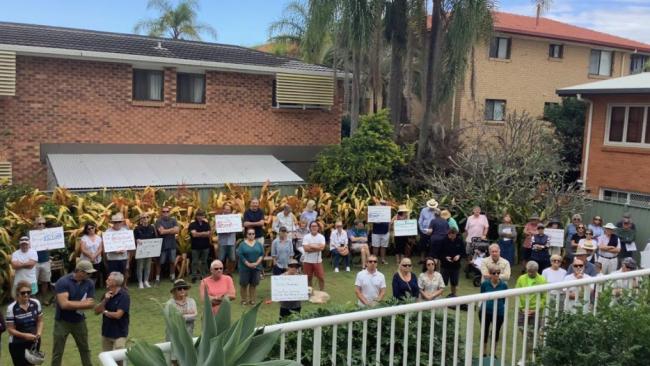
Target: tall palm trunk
356	86
431	75
397	45
346	83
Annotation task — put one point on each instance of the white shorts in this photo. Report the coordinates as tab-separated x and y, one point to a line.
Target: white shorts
380	240
44	272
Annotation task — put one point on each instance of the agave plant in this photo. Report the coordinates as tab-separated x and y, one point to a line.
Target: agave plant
221	343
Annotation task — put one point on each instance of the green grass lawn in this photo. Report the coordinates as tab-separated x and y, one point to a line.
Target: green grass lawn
146	321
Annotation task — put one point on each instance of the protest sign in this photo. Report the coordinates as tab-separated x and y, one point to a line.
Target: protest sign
116	241
148	248
405	227
46	239
228	223
555	237
289	288
378	214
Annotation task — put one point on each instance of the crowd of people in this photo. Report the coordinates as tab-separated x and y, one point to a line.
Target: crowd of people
297	248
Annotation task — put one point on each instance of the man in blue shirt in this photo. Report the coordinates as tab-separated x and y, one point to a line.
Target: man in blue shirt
424	221
75	292
115	310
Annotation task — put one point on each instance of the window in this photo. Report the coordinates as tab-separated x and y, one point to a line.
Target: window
637	63
628	125
500	48
495	110
627	198
190	88
555	51
600	63
147	85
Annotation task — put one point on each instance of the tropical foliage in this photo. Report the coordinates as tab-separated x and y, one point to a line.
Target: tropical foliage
178	22
221	343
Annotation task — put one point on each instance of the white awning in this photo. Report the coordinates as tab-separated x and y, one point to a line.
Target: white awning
631	84
93	171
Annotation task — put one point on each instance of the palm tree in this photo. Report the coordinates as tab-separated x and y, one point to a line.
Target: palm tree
456	25
541	6
176	23
396	32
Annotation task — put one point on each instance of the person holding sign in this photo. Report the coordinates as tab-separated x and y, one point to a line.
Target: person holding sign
143	231
200	234
23	261
289	307
167	228
380	236
44	266
226	243
92	248
117	261
401	241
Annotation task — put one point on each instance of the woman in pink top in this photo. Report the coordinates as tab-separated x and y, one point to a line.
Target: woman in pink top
476	227
218	285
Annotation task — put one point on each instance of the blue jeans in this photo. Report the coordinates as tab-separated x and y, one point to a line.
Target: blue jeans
507	247
337	257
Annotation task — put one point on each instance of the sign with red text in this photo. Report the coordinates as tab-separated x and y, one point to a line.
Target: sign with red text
118	241
228	223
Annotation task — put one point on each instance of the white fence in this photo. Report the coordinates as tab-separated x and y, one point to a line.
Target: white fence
451	336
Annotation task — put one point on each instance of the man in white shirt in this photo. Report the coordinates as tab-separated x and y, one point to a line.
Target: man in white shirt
23	261
370	284
286	219
495	259
313	244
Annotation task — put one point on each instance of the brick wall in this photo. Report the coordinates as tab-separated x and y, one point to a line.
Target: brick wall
71	101
528	79
621	168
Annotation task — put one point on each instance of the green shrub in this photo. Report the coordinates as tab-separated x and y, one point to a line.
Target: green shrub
371	340
367	156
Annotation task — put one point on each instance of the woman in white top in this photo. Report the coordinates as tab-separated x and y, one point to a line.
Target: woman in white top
92	248
339	246
554	273
430	281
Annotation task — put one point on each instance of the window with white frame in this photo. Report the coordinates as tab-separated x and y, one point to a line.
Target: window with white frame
628	198
495	110
600	62
638	63
500	48
628	124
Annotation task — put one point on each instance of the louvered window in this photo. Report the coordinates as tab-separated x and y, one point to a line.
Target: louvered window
5	173
7	73
303	91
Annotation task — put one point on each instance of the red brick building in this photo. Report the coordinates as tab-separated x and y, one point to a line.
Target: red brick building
616	148
69	91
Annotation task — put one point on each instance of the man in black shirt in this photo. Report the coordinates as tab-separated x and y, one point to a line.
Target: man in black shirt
114	308
452	248
200	234
254	219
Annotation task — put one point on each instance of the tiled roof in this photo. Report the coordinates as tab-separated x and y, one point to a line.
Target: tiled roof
548	28
137	45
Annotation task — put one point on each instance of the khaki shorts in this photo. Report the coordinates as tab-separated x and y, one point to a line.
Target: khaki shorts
379	240
110	344
44	272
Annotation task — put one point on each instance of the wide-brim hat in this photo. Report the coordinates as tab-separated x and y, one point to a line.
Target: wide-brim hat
432	203
24	240
118	217
589	246
445	214
581	251
180	283
610	226
403	208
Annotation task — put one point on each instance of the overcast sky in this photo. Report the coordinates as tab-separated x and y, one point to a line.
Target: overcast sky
245	22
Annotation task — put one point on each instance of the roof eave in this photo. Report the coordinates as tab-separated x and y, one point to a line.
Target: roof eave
572	92
168	61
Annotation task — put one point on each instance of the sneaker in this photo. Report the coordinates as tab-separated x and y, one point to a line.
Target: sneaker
146	284
336	270
141	285
347	269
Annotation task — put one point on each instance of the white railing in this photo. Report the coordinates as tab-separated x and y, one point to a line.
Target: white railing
520	335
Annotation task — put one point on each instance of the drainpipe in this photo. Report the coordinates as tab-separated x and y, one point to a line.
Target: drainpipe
585	159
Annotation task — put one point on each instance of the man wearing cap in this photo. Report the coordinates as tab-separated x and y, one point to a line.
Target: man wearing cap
117	261
426	215
626	232
370	284
289	307
24	261
44	266
74	292
380	236
167	228
200	235
608	248
114	308
590	268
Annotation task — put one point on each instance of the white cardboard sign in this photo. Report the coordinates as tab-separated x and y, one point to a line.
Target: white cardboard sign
148	248
116	241
555	237
379	214
405	227
645	259
228	223
289	288
46	239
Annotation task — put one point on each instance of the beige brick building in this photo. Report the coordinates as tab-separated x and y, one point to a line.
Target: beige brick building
525	63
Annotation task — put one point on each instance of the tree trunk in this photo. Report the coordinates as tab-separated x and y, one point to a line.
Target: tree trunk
356	85
397	45
346	83
431	75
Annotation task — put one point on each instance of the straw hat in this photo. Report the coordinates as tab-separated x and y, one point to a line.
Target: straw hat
589	246
180	283
432	203
403	208
118	217
610	226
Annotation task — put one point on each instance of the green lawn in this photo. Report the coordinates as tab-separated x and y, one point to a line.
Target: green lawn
146	314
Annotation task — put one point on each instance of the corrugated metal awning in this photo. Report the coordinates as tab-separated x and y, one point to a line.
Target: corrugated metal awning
90	171
631	84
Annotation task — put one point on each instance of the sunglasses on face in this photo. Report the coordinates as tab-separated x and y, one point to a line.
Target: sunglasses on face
217	269
165	211
406	265
578	265
372	261
431	264
181	289
496	273
23	293
555	260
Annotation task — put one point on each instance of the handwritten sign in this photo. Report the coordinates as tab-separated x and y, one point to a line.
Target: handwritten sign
555	237
405	227
148	248
645	259
228	223
378	213
289	288
46	239
115	241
